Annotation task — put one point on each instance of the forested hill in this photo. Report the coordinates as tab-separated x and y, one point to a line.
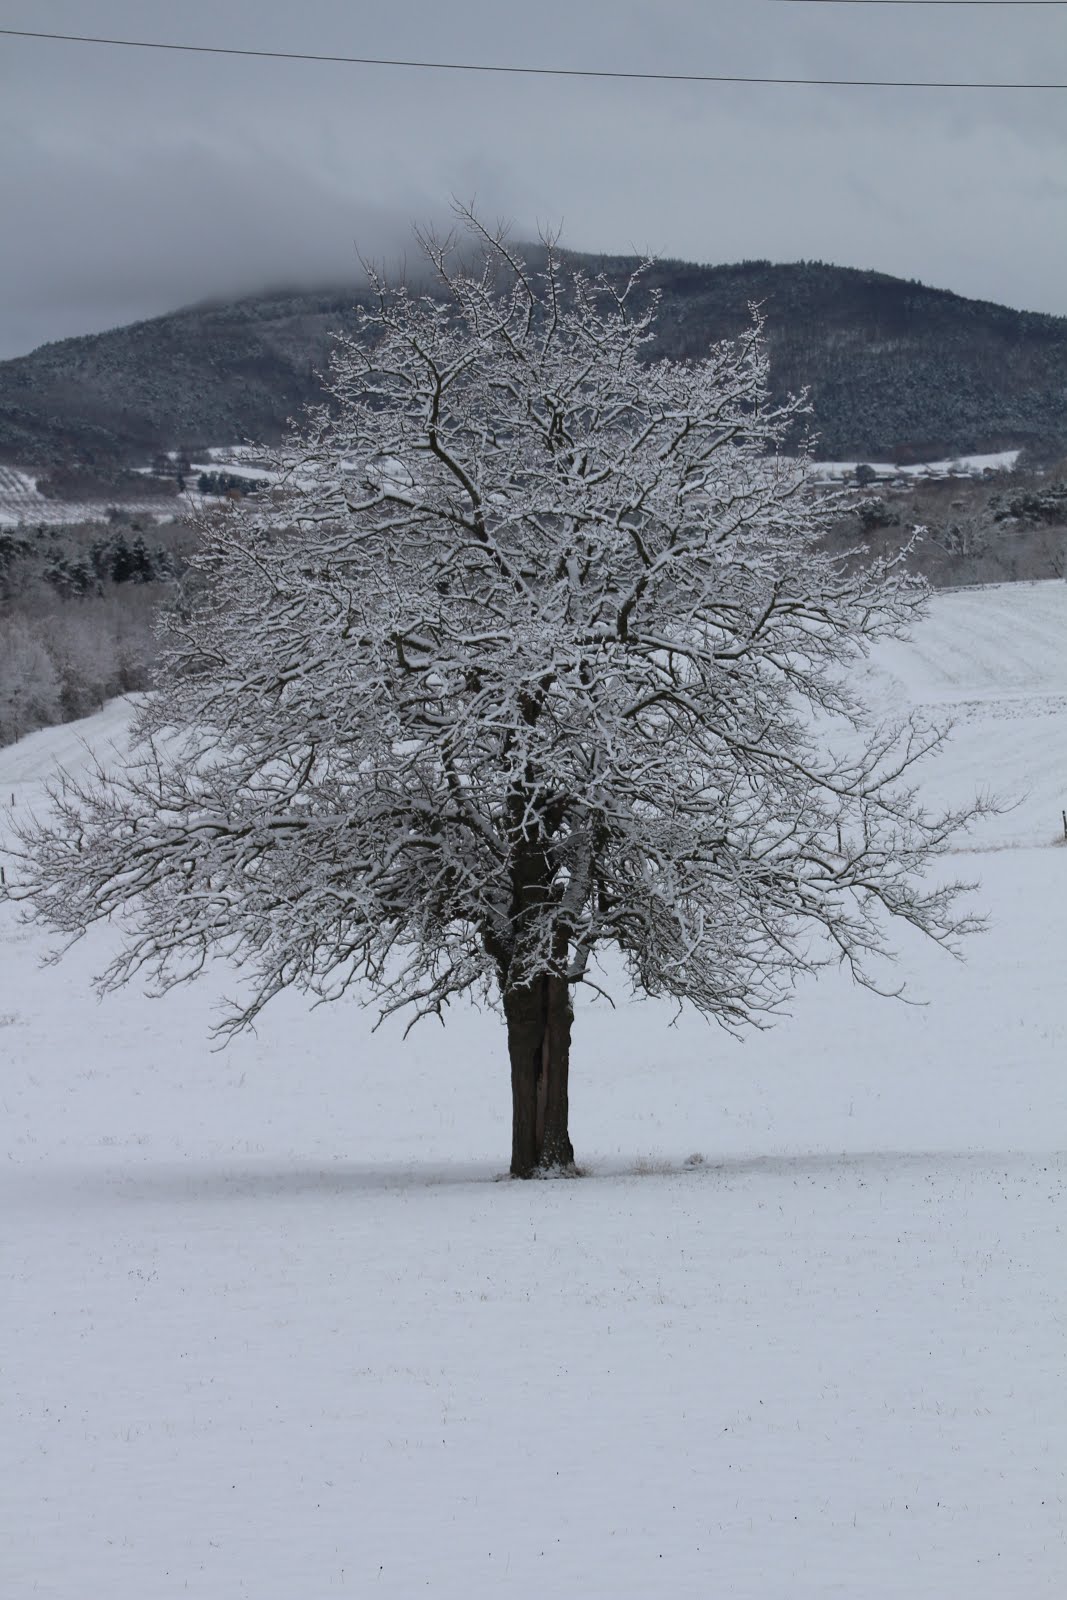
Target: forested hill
897	370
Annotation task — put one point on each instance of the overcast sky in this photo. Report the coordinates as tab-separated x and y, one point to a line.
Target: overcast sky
132	182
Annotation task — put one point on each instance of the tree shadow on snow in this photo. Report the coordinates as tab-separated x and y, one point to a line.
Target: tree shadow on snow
198	1183
817	1164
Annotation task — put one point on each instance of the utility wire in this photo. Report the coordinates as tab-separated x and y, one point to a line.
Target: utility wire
531	72
919	2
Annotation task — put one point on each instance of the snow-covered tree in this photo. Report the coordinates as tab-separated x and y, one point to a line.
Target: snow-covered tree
29	686
534	651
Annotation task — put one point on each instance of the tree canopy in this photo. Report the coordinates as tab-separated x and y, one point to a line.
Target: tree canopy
533	650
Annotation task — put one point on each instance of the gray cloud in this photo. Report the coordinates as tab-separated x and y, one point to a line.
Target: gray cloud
132	182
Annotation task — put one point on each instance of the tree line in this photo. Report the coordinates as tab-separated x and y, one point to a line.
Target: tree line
77	612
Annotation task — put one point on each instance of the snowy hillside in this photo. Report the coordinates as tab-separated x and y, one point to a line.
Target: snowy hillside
20	500
272	1329
23	504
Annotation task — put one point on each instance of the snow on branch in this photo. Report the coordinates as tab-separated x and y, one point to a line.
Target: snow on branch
536	649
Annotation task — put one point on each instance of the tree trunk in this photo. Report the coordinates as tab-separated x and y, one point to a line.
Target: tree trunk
539	1018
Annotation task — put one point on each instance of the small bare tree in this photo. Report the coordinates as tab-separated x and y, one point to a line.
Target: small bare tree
536	652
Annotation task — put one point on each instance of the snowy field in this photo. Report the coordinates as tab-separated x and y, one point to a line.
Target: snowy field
272	1329
23	505
956	467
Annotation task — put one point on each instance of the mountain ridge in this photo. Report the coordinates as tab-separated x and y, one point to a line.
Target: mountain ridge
896	369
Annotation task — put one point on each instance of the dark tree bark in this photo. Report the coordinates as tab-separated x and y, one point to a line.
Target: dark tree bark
538	1011
539	1018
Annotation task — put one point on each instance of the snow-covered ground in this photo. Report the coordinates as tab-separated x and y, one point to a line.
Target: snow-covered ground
271	1328
954	467
20	499
22	504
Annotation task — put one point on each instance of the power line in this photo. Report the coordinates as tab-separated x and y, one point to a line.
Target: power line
532	72
920	2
